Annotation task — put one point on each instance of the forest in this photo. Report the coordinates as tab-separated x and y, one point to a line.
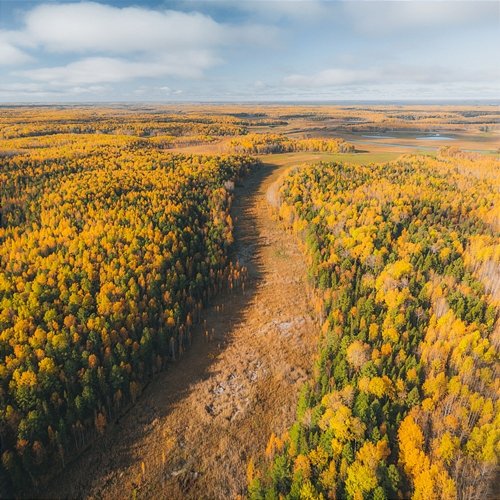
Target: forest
403	403
108	250
276	143
123	229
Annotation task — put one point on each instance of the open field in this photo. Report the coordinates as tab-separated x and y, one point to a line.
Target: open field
289	159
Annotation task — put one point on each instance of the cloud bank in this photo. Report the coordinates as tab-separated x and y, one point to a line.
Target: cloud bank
114	44
396	74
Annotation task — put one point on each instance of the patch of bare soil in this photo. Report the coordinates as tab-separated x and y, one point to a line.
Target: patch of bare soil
193	430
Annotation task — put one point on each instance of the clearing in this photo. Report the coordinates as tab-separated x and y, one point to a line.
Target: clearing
192	432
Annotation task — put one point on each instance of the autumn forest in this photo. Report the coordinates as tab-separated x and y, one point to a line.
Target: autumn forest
262	302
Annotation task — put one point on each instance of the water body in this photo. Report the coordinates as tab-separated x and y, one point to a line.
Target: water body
435	138
378	136
421	138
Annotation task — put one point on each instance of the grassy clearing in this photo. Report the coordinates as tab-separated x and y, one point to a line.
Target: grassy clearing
288	159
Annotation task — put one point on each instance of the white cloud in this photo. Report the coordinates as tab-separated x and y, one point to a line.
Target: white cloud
168	90
118	44
91	70
380	17
331	77
92	27
396	74
14	88
11	55
91	89
31	91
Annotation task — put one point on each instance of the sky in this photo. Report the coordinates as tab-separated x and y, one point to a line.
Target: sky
248	50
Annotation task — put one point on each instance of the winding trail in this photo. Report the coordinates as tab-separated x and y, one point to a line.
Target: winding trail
195	427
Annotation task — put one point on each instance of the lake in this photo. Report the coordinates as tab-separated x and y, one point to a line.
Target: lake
435	138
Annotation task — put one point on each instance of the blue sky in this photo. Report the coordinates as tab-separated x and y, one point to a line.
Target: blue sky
258	50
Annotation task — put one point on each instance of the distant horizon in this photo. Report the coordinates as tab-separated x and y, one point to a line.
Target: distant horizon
484	102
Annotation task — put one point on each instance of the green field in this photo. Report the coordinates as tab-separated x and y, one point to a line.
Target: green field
356	158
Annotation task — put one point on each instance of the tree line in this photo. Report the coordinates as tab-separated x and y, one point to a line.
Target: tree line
278	143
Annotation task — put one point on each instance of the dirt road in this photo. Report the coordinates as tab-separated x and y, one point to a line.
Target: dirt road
193	430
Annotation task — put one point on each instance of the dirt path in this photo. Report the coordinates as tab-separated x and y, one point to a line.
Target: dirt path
193	430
